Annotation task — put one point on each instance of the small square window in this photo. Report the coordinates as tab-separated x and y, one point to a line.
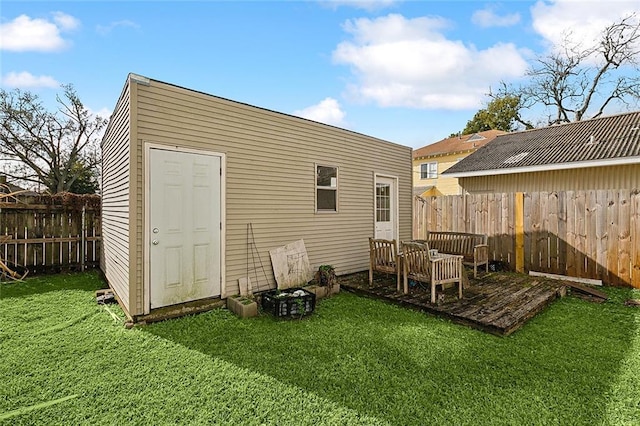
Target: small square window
326	188
429	170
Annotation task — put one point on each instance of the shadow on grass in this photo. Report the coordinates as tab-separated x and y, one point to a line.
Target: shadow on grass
41	284
411	368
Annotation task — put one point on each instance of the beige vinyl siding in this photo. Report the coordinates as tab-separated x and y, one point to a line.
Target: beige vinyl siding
115	199
593	178
270	177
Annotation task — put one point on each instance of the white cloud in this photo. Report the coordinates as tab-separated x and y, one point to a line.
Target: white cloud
584	21
400	62
27	34
102	112
488	18
106	29
369	5
327	111
65	22
26	80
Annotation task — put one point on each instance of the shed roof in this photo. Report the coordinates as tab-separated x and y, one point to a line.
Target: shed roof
461	143
602	141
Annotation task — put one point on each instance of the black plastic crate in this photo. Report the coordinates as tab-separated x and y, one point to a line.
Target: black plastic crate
292	302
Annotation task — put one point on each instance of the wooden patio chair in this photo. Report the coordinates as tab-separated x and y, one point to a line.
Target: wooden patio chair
440	269
383	257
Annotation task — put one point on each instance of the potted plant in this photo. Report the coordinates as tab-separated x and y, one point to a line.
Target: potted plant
324	282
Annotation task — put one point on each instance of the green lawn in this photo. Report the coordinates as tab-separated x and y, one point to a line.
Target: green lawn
64	360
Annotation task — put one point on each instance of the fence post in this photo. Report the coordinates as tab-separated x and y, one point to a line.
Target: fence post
519	229
83	239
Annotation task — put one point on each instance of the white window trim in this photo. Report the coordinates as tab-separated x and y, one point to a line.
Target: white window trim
336	188
429	171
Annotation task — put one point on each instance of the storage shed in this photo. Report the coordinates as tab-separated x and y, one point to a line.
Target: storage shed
198	189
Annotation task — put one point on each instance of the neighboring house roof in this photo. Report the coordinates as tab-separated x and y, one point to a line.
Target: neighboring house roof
604	141
457	144
7	188
419	190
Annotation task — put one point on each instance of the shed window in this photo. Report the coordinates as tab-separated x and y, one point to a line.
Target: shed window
429	170
326	188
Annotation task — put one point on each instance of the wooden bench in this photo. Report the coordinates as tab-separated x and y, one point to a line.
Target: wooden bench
472	247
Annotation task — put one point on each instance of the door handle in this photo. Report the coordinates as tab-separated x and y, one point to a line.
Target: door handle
155	242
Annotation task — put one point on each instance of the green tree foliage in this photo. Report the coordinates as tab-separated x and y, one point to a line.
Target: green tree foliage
60	150
501	113
86	179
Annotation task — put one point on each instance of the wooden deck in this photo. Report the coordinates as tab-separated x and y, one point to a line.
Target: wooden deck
499	303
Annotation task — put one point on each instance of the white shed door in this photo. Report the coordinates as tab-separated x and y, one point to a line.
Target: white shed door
184	235
386	209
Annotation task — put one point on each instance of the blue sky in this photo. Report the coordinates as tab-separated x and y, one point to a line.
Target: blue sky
411	72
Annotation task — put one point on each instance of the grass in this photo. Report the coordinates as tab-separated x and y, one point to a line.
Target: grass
64	360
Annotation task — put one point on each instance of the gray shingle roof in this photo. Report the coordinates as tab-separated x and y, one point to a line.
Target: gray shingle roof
601	139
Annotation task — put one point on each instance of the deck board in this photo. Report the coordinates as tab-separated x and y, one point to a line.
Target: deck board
499	303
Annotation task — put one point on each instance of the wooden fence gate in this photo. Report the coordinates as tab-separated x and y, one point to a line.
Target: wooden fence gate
586	234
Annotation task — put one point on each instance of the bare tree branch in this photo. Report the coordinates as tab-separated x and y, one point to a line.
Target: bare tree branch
53	148
576	81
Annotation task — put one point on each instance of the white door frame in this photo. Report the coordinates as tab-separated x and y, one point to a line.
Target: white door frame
395	210
148	146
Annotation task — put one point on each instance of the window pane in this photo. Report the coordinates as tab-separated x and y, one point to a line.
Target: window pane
433	170
383	202
326	199
327	176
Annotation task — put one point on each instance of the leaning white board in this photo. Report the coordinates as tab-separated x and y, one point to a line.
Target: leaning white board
291	266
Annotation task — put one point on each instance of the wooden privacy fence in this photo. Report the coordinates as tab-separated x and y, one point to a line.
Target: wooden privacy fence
60	234
585	234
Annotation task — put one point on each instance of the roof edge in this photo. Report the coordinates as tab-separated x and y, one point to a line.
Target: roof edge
546	167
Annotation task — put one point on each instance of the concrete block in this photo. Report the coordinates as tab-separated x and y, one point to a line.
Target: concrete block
242	306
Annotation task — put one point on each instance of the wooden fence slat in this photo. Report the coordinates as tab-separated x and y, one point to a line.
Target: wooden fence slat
512	230
580	234
591	249
571	235
543	240
528	256
562	231
494	229
624	237
635	236
535	231
612	237
552	230
460	217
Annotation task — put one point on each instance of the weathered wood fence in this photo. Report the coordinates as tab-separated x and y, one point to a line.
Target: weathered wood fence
50	237
586	234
